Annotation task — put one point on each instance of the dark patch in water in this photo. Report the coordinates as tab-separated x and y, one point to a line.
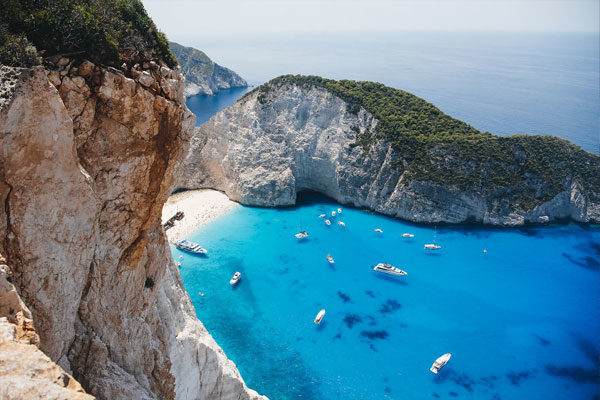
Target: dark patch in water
392	279
338	336
372	335
496	397
515	378
437	396
386	379
345	298
268	222
576	373
588	349
543	342
588	262
352	319
453	394
372	321
387	390
370	294
373	347
390	306
488	381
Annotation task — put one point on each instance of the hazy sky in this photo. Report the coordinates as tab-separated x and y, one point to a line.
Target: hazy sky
185	18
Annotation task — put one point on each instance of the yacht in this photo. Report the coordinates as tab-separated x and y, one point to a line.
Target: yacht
432	246
301	235
388	269
190	247
322	215
378	230
236	277
440	362
408	235
328	222
320	316
330	259
340	223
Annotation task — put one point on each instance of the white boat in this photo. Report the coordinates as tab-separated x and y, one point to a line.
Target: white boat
190	247
440	362
333	213
330	259
339	210
178	264
320	316
322	215
340	223
432	246
328	222
408	235
301	235
389	269
236	277
378	230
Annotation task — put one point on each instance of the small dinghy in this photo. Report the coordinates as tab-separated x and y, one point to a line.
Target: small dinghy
389	269
330	259
236	277
333	213
408	235
440	362
320	316
322	215
378	230
340	223
178	264
328	222
339	210
301	235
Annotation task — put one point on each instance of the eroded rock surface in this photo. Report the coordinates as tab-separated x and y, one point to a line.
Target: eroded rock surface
88	159
266	148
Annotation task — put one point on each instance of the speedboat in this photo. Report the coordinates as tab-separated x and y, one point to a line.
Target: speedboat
330	259
378	230
408	235
328	222
301	235
388	269
236	277
340	223
190	247
322	215
339	210
432	246
333	213
320	316
440	362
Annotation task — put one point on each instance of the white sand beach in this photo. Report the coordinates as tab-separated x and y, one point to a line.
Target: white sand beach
198	206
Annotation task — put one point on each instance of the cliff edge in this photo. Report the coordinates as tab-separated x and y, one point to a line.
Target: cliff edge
202	75
372	146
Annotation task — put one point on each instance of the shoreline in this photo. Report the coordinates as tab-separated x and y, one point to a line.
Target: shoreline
199	207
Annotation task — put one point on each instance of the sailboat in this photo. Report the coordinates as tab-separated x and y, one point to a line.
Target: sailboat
433	246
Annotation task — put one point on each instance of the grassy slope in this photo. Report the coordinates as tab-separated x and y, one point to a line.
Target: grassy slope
192	61
431	146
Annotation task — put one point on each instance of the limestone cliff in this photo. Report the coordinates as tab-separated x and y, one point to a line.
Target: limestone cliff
88	159
288	136
203	76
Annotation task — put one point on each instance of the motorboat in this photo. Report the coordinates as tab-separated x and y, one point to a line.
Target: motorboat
322	215
236	277
301	235
320	316
378	230
330	259
440	362
190	247
333	213
178	264
432	246
408	235
328	222
340	223
339	210
389	269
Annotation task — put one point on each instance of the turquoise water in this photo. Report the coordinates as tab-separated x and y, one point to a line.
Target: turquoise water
522	320
204	107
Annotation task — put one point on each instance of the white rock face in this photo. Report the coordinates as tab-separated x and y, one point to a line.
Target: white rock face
86	164
302	138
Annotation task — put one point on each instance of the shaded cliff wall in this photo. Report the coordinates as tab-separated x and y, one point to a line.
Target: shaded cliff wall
88	159
266	147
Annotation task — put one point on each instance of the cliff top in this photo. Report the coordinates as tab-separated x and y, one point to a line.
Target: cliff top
432	146
106	32
192	61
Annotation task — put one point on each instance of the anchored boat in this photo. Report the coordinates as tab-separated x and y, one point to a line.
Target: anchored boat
190	247
330	259
440	362
320	316
389	269
236	277
408	235
301	235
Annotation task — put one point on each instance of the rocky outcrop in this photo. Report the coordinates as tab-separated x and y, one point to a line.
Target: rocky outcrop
88	159
203	76
272	144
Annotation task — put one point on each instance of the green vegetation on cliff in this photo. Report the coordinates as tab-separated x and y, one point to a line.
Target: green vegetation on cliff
432	146
192	61
106	32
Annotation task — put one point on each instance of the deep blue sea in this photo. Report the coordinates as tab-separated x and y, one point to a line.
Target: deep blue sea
522	320
504	83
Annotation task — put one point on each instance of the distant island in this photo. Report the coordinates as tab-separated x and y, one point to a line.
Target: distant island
202	75
369	145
